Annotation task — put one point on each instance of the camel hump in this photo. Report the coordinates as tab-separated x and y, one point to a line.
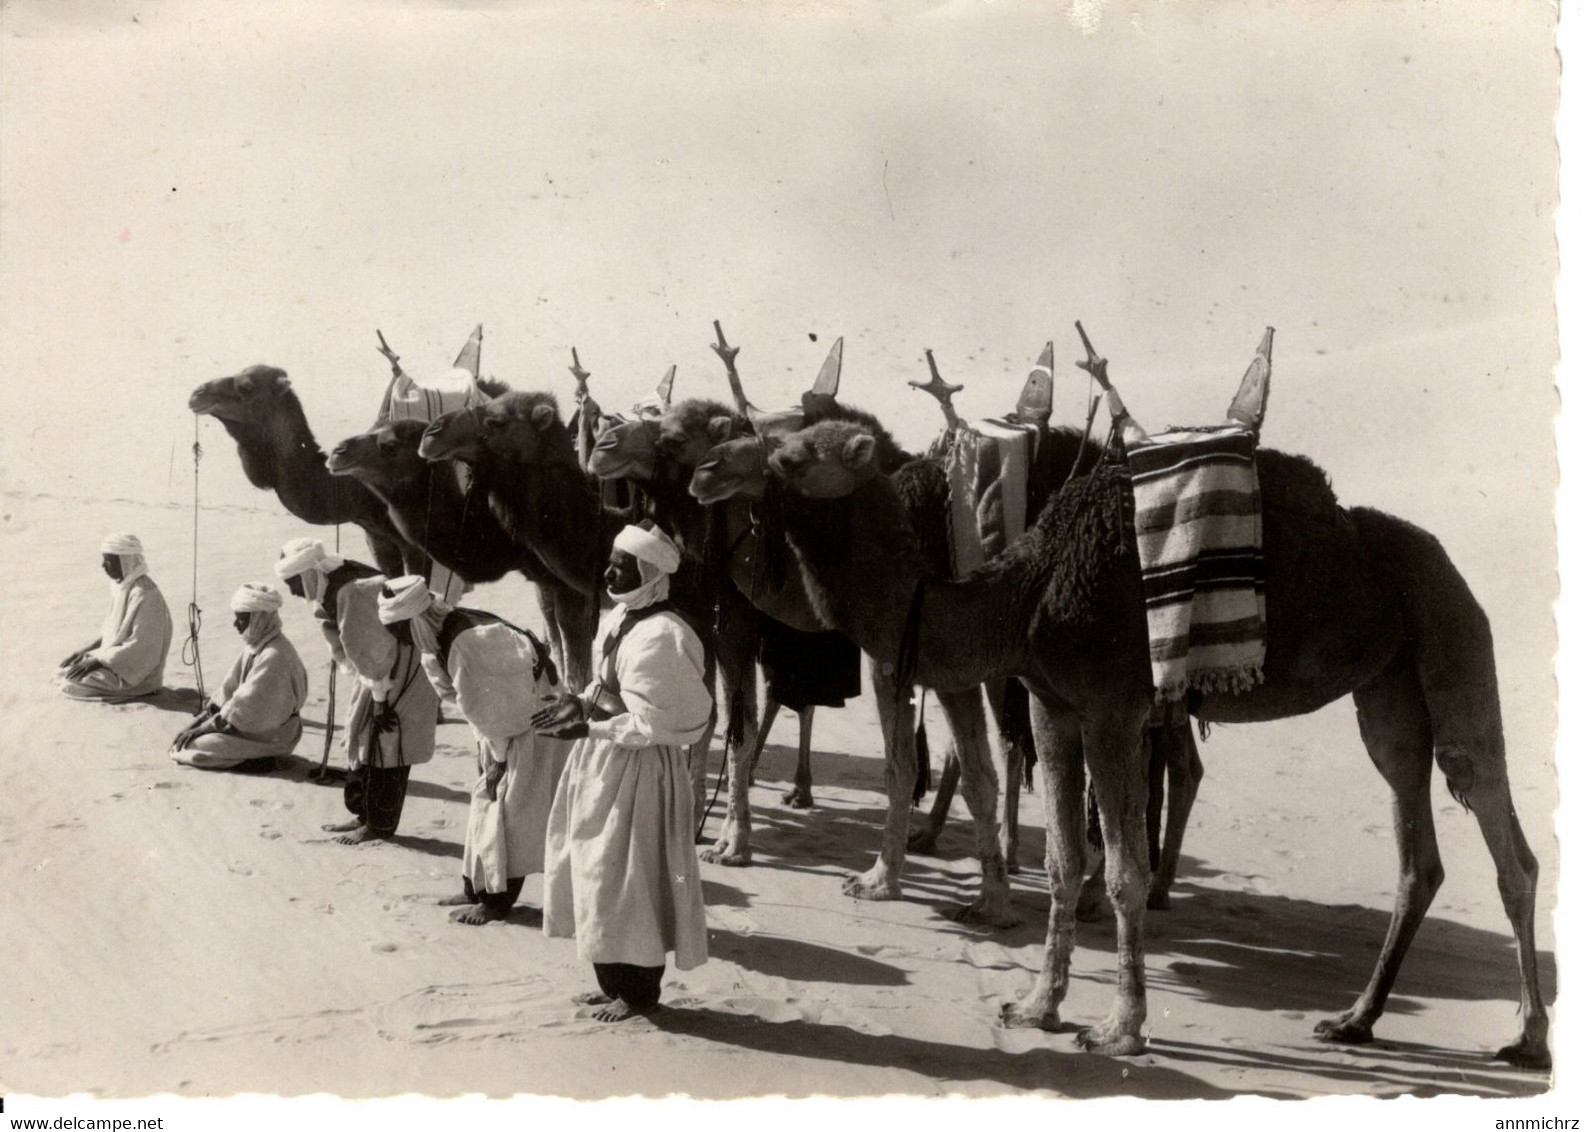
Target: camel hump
1296	483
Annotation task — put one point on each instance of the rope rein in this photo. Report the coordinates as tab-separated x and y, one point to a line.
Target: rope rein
190	647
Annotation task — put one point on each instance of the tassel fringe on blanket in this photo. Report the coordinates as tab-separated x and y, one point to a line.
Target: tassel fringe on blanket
1199	531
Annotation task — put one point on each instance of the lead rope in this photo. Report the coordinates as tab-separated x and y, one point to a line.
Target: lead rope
190	647
331	697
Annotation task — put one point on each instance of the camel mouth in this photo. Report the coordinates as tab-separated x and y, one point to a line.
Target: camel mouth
341	462
205	400
434	444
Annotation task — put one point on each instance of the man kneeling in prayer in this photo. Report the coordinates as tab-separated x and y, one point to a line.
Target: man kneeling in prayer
621	875
497	675
257	714
129	658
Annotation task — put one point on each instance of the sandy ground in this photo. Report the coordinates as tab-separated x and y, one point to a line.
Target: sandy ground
187	190
221	943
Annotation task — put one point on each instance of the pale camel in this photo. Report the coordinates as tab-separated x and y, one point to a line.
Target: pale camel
260	411
1357	602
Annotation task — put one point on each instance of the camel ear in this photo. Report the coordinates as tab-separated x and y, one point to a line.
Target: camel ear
543	416
858	450
720	429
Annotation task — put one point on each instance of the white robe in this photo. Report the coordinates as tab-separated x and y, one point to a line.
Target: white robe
491	679
388	671
133	645
260	699
621	873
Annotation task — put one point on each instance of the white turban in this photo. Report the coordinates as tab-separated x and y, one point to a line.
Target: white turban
410	596
121	544
652	546
302	554
254	597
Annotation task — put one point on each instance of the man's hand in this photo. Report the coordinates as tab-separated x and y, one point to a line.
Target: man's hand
494	773
82	668
385	718
567	710
576	730
76	656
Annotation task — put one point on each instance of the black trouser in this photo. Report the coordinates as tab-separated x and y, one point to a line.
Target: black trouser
501	901
375	794
640	987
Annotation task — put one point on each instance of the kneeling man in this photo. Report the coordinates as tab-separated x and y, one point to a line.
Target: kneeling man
621	874
128	659
498	676
257	714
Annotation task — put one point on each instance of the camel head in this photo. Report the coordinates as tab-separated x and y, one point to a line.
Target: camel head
625	448
691	428
388	455
826	460
517	428
246	397
736	467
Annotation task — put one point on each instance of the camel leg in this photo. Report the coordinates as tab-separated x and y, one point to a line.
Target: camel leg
576	627
390	553
1013	716
1116	755
882	880
736	663
1517	873
1059	759
925	839
799	797
546	600
981	786
1394	723
1185	770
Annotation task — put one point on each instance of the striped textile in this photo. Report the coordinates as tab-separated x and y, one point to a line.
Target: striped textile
987	464
1200	539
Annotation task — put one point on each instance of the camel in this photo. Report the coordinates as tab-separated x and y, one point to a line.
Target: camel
522	459
734	472
259	410
1358	602
526	462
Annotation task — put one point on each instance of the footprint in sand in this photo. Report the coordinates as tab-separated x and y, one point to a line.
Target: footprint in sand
268	804
170	786
239	870
69	824
269	834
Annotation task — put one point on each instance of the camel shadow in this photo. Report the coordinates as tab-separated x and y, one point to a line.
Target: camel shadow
724	895
1075	1075
798	959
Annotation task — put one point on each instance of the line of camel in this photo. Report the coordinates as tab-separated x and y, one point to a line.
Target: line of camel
819	519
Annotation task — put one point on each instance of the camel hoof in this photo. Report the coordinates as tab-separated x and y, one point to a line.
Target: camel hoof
1525	1053
923	841
1103	1040
1014	1016
865	887
798	799
1346	1029
1158	901
982	911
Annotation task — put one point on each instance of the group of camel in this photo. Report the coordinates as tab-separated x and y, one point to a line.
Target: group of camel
817	518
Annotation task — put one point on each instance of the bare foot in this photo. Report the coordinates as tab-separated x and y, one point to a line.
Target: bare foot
452	901
342	826
592	998
617	1010
479	914
360	835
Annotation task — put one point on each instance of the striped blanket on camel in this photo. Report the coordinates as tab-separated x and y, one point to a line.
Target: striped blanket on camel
1200	538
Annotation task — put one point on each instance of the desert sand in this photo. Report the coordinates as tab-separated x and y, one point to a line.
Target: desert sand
191	190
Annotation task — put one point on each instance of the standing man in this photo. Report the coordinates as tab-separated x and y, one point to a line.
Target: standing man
498	675
129	657
257	714
392	719
621	874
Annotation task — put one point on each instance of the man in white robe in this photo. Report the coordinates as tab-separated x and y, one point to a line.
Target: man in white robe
621	874
257	714
391	723
128	659
497	675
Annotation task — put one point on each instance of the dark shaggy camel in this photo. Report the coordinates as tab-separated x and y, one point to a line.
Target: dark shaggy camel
1358	602
259	410
522	458
736	472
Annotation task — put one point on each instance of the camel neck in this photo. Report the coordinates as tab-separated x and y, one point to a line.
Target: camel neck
864	570
280	454
554	510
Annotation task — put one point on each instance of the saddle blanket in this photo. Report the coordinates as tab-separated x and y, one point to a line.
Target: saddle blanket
987	465
1199	531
